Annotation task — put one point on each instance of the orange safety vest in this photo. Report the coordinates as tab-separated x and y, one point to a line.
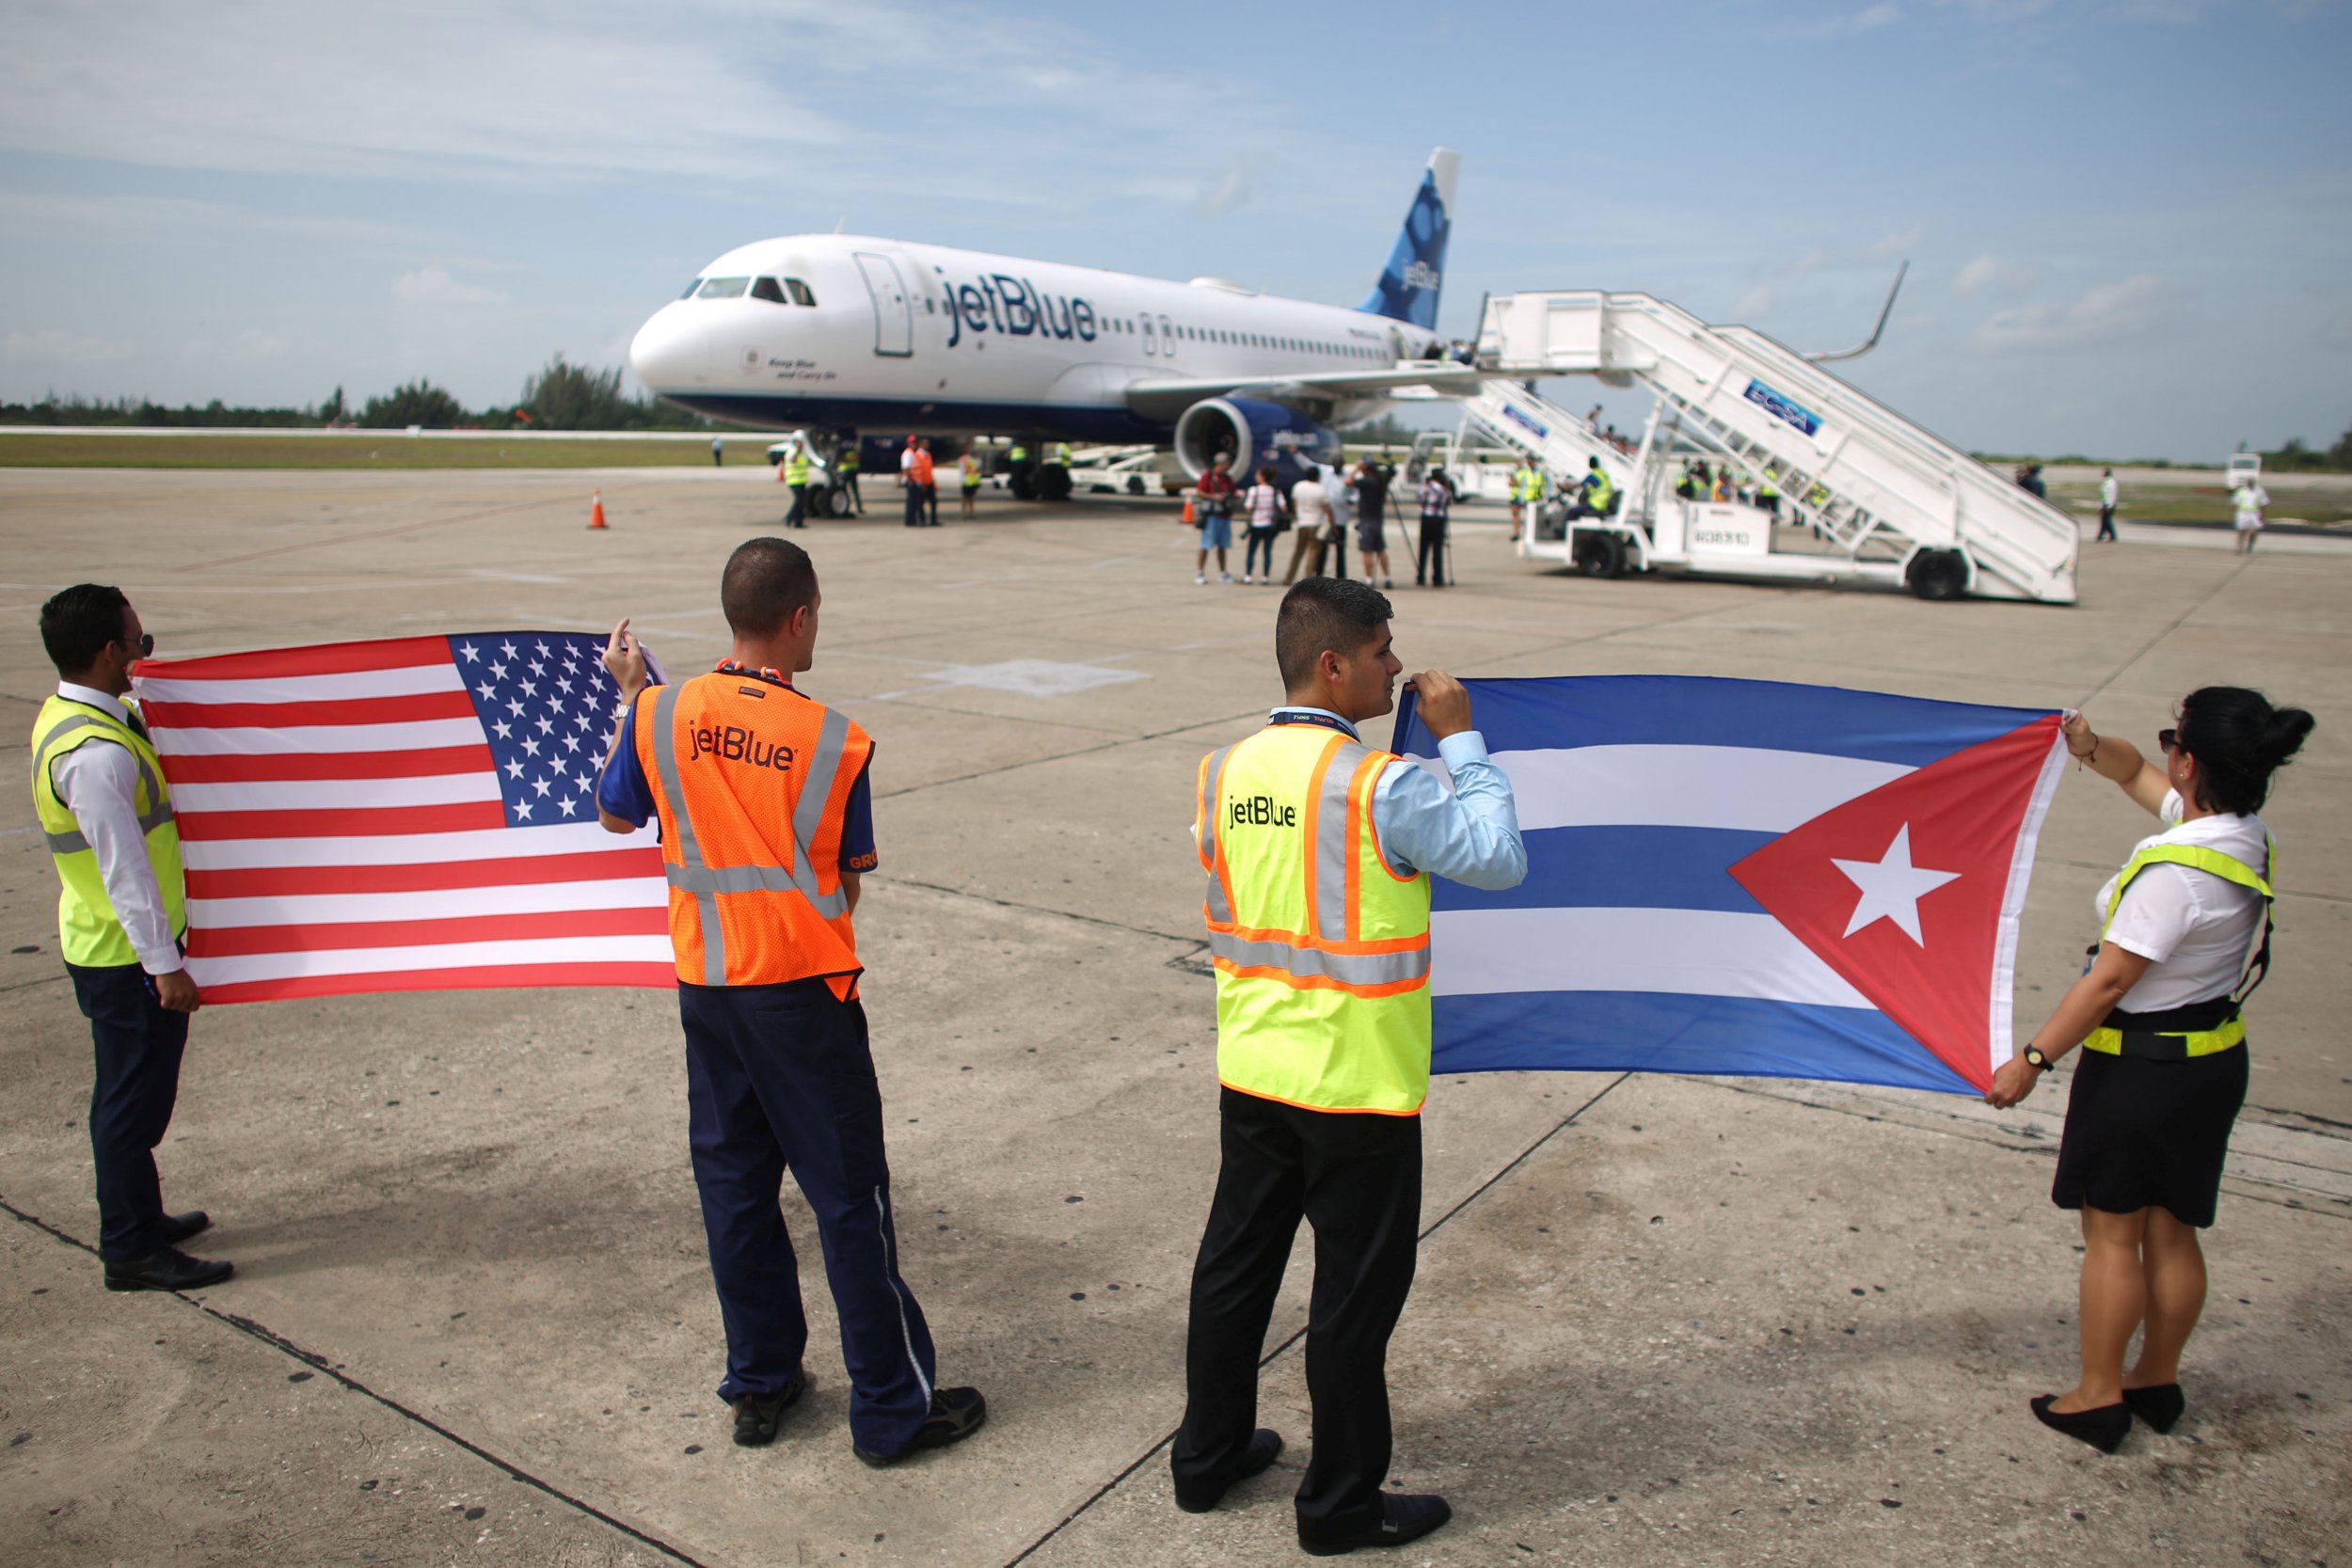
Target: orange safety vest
923	469
752	781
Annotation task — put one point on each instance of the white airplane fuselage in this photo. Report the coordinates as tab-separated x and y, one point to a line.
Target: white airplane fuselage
845	332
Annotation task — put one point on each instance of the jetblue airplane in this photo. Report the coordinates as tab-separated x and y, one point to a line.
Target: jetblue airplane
834	332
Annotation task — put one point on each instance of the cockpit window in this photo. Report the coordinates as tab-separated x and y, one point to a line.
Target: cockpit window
691	287
723	288
801	295
768	289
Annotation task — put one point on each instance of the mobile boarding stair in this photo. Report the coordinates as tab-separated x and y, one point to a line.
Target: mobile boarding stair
1883	500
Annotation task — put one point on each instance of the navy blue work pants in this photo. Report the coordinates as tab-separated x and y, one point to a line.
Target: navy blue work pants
1356	1179
139	1044
915	505
781	1077
798	516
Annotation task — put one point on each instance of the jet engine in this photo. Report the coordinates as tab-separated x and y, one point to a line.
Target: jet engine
1253	431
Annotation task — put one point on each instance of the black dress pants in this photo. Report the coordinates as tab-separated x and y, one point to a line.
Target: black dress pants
1430	567
139	1043
1356	1178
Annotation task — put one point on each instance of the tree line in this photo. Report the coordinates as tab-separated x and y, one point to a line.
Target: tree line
560	396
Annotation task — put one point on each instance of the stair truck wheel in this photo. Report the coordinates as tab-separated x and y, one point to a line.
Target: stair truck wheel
1601	555
1937	576
820	502
1052	483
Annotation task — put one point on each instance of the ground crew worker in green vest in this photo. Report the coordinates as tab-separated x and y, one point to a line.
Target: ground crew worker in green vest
1768	490
1061	453
846	464
1597	495
1319	851
1527	489
98	790
796	475
2164	1069
1017	466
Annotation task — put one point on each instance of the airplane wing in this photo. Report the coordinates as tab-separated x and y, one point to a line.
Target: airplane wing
1166	399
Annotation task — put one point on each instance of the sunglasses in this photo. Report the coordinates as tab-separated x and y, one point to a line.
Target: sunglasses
2168	740
146	644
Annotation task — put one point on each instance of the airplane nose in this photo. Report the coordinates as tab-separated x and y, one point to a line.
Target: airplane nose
670	352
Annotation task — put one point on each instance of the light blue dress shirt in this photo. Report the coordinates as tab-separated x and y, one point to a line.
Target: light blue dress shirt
1468	834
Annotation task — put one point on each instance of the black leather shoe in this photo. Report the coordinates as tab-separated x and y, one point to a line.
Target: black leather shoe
166	1269
178	1228
2159	1404
1199	1496
956	1415
1402	1517
2102	1428
755	1418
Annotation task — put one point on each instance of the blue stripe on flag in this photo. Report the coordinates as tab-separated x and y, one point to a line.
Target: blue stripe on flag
1589	1032
1621	867
1704	710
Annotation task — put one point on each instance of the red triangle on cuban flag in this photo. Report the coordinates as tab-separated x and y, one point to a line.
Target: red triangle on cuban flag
1910	892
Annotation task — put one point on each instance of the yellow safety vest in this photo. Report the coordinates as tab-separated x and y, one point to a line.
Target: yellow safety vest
1017	455
1322	950
2196	1035
1603	492
1061	454
89	933
796	468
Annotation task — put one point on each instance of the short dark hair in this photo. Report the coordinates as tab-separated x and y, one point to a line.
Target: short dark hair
766	580
2238	740
1336	613
76	625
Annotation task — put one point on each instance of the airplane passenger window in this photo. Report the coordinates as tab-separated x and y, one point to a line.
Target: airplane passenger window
801	295
768	290
723	288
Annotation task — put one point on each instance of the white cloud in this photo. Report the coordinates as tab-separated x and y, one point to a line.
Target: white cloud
1232	190
2106	312
434	288
56	346
1989	271
1871	18
1898	244
1754	302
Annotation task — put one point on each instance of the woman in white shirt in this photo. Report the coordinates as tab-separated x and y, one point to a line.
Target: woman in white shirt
2163	1071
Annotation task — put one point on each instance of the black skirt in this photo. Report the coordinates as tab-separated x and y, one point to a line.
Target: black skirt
2142	1134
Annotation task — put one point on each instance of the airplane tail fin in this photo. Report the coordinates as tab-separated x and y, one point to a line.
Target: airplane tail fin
1408	285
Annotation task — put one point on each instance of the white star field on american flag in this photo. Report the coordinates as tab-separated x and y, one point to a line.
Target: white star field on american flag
547	709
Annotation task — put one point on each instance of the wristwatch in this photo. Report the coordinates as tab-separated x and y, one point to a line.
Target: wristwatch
2036	1060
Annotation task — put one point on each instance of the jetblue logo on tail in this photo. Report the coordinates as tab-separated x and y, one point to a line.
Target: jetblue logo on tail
1409	286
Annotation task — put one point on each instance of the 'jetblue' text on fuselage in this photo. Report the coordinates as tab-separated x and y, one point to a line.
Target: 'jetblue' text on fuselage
1012	306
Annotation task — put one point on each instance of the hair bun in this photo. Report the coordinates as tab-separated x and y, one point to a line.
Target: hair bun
2283	735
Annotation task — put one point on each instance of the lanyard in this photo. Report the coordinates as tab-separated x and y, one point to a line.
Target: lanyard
1301	716
773	677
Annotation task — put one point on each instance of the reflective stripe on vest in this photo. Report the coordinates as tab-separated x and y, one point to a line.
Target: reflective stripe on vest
89	933
1321	948
716	843
2230	1031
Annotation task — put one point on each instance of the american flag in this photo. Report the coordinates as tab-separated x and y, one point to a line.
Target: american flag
417	813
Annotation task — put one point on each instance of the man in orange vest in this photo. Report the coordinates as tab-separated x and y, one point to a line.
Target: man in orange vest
766	827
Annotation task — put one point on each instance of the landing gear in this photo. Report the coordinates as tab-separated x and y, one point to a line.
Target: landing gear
1601	555
1938	575
1052	483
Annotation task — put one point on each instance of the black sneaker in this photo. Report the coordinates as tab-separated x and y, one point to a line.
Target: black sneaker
755	1418
956	1415
1403	1518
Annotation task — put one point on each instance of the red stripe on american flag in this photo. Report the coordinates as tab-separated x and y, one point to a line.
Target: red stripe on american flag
660	976
232	942
335	658
284	881
198	827
340	710
182	768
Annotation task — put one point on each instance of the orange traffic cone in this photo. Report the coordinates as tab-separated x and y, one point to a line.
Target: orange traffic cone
1188	509
595	509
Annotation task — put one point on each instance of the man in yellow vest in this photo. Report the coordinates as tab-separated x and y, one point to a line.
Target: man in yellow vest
796	475
98	790
767	825
1319	851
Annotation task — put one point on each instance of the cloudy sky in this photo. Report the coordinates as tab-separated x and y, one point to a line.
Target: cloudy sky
2130	221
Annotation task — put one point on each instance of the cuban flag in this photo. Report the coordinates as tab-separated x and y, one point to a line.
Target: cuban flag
1744	877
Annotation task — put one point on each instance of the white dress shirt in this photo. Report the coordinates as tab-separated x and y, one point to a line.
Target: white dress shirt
2194	927
1467	834
99	782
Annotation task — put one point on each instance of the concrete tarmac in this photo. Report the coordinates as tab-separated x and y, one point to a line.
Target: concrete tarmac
1658	1317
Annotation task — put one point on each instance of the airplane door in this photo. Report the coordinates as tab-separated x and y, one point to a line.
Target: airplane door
894	319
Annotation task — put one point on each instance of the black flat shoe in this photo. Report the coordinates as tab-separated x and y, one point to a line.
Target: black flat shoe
1403	1518
956	1415
755	1418
2102	1428
2159	1404
166	1269
1199	1496
178	1228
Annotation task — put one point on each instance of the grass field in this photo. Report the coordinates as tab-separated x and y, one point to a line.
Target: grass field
390	450
2206	503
